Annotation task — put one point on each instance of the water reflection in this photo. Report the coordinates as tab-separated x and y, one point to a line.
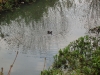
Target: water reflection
93	16
34	36
25	30
28	12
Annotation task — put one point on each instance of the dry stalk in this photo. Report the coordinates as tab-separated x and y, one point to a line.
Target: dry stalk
12	64
44	63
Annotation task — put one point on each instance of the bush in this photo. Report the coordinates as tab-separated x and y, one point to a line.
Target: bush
82	57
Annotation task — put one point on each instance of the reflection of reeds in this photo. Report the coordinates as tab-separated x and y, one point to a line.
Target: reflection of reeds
12	64
95	7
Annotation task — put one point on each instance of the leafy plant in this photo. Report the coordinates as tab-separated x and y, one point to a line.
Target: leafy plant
81	57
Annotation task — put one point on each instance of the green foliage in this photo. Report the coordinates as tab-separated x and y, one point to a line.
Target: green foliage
9	4
52	72
27	0
81	57
30	13
86	70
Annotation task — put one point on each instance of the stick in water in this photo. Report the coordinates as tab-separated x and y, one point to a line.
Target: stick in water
44	63
12	64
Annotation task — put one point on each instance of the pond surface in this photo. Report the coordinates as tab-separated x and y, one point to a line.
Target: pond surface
25	30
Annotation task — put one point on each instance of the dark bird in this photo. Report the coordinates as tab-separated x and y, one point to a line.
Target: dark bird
49	32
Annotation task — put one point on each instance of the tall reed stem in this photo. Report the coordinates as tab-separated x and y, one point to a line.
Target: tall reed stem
44	63
12	64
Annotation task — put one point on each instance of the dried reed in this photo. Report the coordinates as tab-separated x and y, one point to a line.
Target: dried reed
44	63
12	64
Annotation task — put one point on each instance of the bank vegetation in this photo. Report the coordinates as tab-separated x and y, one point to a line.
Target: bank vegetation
80	57
10	4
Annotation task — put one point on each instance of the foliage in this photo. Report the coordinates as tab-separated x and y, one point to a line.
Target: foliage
81	57
29	13
52	72
9	4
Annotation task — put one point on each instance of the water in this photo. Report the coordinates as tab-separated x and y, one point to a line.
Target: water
25	30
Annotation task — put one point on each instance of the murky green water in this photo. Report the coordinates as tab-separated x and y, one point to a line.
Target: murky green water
25	30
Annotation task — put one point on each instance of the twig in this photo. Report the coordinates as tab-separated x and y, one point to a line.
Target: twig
12	64
1	73
44	63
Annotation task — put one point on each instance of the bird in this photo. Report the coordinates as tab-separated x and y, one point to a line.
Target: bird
49	32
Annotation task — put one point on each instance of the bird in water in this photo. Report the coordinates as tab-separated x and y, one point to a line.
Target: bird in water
49	32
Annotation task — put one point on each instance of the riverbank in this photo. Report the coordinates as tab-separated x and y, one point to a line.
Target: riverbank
80	57
11	4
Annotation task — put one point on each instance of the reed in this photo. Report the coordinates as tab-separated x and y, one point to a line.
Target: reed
44	63
12	64
1	73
